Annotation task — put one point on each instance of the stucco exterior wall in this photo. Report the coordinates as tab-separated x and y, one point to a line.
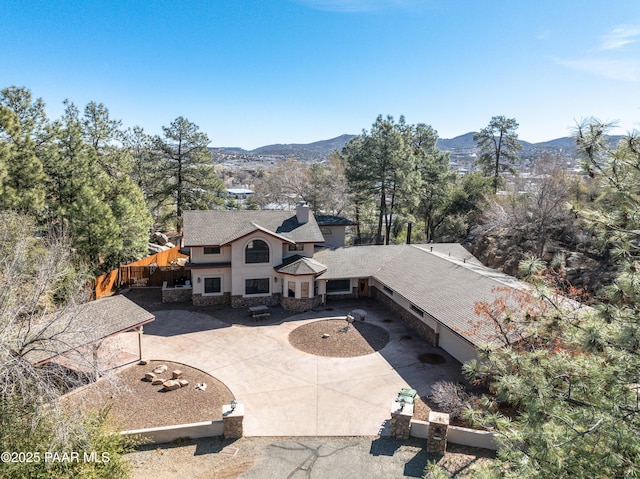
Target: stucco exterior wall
459	348
198	275
337	236
198	256
308	251
243	271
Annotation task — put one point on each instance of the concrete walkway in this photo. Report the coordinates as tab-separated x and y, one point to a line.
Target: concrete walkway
287	392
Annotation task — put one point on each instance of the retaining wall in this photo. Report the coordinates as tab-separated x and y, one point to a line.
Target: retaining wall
158	435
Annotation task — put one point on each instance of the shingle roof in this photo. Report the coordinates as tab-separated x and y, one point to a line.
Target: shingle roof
331	220
300	265
443	282
83	325
219	227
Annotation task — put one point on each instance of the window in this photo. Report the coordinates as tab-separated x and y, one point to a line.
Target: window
296	247
326	231
291	293
304	293
417	310
213	285
339	286
257	251
256	286
387	290
212	250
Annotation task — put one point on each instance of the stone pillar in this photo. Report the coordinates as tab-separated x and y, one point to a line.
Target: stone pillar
437	438
401	414
232	421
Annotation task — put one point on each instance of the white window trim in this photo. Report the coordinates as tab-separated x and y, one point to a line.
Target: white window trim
257	295
221	285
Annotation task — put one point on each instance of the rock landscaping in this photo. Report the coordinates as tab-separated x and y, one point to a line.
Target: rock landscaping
151	395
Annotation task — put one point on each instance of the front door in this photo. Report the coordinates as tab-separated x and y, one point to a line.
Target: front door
363	287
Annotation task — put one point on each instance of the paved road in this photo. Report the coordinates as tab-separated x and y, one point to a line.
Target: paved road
296	458
287	392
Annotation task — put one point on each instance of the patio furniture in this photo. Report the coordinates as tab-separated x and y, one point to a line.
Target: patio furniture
259	312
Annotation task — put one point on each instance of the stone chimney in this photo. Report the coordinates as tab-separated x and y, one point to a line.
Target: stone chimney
302	212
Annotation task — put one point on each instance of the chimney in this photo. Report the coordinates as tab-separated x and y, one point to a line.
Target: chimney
302	212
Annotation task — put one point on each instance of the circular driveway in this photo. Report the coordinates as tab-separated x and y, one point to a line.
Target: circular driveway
287	392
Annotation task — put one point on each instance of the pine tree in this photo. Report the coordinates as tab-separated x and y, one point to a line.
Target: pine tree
573	377
499	146
380	165
21	122
189	179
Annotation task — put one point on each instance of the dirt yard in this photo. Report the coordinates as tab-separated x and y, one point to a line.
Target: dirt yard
137	404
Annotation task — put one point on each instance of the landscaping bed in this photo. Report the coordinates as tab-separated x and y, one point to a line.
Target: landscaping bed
337	338
137	404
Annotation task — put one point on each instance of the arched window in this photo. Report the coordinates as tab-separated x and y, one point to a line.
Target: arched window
257	251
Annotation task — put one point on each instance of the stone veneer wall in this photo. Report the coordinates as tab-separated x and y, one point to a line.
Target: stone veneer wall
242	302
412	321
176	295
302	304
200	300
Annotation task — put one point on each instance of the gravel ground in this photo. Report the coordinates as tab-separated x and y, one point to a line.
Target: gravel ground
137	404
359	339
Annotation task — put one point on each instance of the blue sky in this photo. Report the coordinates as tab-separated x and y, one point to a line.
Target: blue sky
254	72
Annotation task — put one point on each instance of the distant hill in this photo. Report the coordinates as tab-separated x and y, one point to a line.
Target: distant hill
463	144
321	148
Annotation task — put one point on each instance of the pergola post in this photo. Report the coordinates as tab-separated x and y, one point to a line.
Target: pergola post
140	330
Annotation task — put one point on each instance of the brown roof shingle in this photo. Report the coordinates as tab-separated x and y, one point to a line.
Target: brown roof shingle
219	227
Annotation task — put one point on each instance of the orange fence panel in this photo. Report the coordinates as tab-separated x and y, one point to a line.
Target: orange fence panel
105	284
139	273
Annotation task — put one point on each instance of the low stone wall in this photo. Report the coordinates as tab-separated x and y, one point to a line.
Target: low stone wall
301	304
409	318
176	294
242	302
200	300
159	435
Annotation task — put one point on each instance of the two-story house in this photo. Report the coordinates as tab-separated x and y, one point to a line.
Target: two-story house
246	257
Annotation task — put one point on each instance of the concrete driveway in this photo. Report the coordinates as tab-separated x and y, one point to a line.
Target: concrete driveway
287	392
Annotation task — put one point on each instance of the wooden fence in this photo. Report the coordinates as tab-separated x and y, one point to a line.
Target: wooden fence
149	271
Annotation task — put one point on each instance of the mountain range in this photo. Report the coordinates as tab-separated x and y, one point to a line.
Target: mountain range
462	144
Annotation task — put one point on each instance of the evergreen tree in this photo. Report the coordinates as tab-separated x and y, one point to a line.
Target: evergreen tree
573	376
379	164
190	181
499	146
21	123
76	191
123	197
436	178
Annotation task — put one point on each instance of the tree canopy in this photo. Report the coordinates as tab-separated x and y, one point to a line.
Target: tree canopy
572	380
498	144
187	178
